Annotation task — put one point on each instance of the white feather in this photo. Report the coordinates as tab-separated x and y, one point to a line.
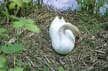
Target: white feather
63	43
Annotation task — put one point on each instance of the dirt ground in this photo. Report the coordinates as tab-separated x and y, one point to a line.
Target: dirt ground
90	54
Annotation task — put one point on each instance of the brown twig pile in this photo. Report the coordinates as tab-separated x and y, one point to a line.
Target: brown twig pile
91	54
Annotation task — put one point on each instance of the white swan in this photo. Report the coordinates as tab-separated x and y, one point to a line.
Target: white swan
62	35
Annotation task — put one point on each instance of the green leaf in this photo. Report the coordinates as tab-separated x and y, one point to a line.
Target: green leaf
3	69
3	30
17	24
45	68
16	69
12	48
60	68
26	1
5	12
3	62
13	3
32	28
27	23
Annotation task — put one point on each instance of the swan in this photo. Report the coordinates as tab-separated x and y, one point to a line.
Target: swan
63	35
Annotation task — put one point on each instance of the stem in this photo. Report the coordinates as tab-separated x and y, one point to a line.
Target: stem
17	36
17	11
14	57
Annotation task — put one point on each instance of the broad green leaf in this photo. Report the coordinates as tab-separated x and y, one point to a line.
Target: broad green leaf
60	68
26	1
3	62
12	48
3	69
45	68
27	23
18	24
5	12
16	69
13	3
32	28
2	30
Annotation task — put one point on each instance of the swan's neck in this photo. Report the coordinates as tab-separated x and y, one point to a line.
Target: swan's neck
66	34
70	27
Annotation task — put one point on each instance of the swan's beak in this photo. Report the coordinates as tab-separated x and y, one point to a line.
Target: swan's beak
78	34
78	38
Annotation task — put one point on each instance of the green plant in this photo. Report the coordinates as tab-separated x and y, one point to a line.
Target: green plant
3	35
91	28
9	48
3	64
60	68
16	69
39	4
91	6
18	5
2	31
87	4
14	7
26	23
45	68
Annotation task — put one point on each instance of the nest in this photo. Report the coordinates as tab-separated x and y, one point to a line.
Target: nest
91	54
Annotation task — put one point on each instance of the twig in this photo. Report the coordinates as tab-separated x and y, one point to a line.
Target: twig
46	62
30	61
